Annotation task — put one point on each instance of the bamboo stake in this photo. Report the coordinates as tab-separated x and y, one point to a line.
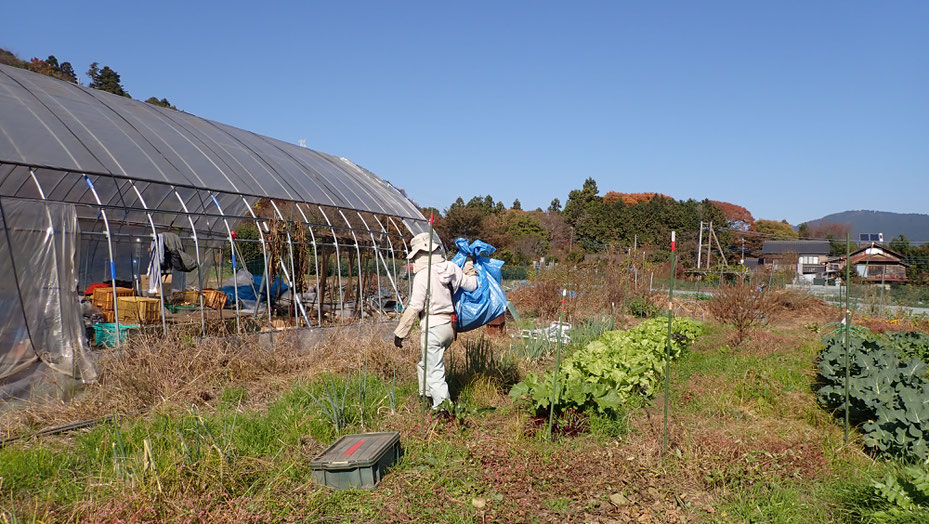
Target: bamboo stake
667	368
551	408
847	322
428	307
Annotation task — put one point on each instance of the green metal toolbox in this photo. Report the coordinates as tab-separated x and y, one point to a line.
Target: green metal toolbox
357	461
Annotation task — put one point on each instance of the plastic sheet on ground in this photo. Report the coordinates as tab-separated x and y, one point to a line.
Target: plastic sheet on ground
246	292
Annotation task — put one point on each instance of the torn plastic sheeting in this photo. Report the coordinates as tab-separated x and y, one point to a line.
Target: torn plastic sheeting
487	301
41	317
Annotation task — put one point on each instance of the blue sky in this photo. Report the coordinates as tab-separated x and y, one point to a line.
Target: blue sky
791	109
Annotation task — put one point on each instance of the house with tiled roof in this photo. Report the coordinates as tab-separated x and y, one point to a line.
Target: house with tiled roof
806	257
874	263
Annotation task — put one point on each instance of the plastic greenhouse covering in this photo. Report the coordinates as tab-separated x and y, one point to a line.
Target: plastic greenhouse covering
87	181
40	320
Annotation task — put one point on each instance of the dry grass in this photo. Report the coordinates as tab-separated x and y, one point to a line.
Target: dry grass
174	372
796	308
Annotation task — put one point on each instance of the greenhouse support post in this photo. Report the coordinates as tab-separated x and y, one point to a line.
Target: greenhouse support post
193	231
360	305
319	298
235	287
393	258
667	366
291	276
338	264
406	248
267	261
161	291
109	246
554	400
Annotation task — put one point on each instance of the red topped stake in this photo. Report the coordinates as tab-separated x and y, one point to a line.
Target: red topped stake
432	219
673	246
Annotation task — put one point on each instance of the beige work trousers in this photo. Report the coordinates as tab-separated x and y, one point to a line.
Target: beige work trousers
440	338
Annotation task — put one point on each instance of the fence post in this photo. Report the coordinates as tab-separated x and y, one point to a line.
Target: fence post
848	321
667	369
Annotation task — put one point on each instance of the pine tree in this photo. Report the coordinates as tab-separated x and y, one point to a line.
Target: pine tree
106	80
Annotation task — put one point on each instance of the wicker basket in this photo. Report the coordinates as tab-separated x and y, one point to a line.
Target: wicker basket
103	296
139	309
214	298
188	296
108	316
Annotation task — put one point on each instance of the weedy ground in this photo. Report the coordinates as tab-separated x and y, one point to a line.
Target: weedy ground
224	431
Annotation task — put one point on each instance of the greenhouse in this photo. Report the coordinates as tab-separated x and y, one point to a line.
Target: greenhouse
122	217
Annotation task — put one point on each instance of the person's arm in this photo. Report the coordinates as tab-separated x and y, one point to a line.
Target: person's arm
466	278
414	306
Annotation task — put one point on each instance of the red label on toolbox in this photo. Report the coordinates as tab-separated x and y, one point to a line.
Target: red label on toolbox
354	448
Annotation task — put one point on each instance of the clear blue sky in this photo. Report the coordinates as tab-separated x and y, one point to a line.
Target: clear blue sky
791	109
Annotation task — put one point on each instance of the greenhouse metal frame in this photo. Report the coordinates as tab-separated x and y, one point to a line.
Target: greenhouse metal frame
130	170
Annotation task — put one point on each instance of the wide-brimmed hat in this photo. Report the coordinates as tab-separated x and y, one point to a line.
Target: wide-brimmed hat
420	244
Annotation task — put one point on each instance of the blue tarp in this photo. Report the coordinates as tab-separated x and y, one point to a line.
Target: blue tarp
488	301
247	293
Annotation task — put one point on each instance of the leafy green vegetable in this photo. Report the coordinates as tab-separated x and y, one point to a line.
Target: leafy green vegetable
888	395
604	375
904	491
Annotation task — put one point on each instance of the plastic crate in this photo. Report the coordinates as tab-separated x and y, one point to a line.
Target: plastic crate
214	298
105	333
139	309
188	296
357	461
103	296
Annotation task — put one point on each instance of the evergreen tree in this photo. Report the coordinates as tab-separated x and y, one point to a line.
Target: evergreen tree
555	206
67	72
517	205
161	103
106	80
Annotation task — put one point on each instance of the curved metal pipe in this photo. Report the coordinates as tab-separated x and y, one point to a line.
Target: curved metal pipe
109	246
235	288
319	305
361	304
338	264
193	231
264	250
161	290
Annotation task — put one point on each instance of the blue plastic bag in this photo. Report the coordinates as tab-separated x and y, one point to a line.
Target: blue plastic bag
487	301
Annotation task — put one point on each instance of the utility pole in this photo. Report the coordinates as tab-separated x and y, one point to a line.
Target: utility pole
700	245
709	249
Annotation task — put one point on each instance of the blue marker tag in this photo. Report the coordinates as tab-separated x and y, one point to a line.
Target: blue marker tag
233	262
112	269
89	183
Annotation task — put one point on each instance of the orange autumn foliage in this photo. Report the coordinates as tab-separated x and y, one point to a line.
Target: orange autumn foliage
631	198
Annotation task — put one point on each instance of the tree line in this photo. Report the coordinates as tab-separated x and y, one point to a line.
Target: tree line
102	78
590	224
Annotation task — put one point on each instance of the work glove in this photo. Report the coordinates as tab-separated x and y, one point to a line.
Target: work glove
398	342
469	269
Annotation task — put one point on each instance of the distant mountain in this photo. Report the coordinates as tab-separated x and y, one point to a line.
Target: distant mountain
914	226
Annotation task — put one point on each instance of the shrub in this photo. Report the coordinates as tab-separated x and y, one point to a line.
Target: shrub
741	306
